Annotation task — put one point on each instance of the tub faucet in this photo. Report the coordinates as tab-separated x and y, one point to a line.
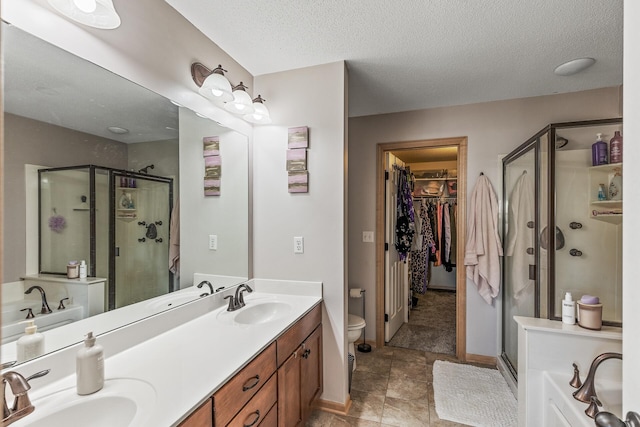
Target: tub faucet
45	306
239	290
206	282
588	388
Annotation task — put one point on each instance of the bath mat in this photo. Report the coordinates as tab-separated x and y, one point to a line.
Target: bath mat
474	396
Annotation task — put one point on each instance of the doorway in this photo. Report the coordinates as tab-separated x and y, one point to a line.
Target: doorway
444	160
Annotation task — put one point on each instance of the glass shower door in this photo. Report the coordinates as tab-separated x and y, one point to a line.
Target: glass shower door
519	240
142	207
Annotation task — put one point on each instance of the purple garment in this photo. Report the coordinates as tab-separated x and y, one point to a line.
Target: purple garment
405	226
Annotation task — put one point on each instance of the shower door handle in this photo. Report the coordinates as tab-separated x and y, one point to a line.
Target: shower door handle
117	250
532	272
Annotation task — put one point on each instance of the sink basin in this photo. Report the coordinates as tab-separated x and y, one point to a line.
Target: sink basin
255	313
122	402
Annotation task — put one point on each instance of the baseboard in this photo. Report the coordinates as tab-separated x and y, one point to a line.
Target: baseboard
334	407
481	359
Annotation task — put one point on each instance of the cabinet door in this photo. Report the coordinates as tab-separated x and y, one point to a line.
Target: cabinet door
289	397
311	369
201	417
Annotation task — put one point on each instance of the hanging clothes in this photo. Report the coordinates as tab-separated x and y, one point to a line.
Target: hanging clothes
420	265
521	233
405	227
453	209
483	248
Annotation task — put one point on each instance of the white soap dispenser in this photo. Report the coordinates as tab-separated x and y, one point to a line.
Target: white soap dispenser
89	366
568	310
31	344
82	273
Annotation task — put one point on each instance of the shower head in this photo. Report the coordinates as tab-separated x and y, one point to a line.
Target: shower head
561	142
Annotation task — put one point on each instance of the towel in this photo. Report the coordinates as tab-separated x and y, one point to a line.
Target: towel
521	236
483	248
174	240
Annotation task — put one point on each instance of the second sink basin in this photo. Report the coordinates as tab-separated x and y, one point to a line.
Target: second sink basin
256	313
121	402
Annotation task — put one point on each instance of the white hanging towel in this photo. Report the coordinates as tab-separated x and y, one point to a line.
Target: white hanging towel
521	236
483	248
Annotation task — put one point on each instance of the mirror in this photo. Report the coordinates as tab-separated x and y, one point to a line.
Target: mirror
58	109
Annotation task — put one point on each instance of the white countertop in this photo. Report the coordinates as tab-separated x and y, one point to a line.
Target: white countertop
187	363
556	326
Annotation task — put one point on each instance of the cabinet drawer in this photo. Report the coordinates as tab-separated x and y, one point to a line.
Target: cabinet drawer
271	419
201	417
290	340
243	386
258	407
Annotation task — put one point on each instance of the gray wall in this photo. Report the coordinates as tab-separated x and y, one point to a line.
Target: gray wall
32	142
492	129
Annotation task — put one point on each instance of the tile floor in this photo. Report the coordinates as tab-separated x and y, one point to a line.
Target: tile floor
391	387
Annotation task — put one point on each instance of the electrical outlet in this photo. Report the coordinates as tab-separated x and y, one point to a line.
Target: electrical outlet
213	242
367	236
298	245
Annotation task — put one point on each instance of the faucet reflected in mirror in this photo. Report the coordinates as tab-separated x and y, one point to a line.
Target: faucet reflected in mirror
45	305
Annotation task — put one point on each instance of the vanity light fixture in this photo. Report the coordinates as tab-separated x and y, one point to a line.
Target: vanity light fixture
242	102
574	66
260	113
93	13
216	87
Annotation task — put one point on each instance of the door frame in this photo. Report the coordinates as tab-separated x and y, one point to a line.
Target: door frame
461	278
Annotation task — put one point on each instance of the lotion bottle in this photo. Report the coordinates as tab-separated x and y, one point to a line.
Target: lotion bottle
31	344
89	366
82	271
568	310
599	152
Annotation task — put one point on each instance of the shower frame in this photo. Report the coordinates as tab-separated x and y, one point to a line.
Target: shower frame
110	172
539	147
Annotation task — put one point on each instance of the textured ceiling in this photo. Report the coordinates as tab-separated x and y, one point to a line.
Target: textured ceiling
413	54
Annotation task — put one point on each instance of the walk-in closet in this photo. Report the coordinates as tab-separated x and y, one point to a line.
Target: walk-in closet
421	261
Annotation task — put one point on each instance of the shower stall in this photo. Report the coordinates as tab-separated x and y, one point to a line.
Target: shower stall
549	183
115	220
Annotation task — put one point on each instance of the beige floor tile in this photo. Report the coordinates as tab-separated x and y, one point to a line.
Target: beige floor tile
373	363
369	382
403	370
319	418
405	413
366	406
409	356
408	389
342	421
432	357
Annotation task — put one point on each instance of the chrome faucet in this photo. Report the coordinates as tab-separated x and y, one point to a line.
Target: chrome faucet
206	282
19	387
588	388
45	306
239	291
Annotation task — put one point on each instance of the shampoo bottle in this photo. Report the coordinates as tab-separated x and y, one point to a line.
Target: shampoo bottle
568	310
599	152
31	344
82	272
615	145
89	366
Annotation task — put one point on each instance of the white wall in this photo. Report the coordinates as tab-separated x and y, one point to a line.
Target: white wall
312	97
631	176
492	129
226	215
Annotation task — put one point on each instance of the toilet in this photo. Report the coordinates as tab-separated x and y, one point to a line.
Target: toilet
355	326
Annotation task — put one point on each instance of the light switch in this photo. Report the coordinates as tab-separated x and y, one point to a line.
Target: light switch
213	242
367	236
298	245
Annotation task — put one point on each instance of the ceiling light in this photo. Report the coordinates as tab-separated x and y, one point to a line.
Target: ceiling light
574	66
260	113
94	13
118	130
242	102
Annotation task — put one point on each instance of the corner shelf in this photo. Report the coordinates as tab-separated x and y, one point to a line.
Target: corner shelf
602	175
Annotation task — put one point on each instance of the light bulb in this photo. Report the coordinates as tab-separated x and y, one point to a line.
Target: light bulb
87	6
217	93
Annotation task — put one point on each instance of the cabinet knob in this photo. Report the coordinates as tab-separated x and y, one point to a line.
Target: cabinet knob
255	420
306	353
251	383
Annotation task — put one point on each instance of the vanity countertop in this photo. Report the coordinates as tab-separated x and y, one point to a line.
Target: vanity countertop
186	364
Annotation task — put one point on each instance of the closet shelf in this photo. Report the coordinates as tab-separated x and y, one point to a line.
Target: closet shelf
437	179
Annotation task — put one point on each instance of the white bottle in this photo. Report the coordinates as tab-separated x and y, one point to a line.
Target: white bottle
31	344
89	367
568	310
82	273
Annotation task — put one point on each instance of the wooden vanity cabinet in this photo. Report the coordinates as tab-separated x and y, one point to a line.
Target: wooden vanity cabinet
201	417
300	374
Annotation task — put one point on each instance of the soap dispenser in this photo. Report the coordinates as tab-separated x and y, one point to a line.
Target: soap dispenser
568	310
31	344
599	152
82	272
89	366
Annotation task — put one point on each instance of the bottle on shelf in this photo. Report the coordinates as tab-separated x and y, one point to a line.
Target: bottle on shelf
615	147
602	195
599	152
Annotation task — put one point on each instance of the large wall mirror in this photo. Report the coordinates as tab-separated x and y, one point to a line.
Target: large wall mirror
79	141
